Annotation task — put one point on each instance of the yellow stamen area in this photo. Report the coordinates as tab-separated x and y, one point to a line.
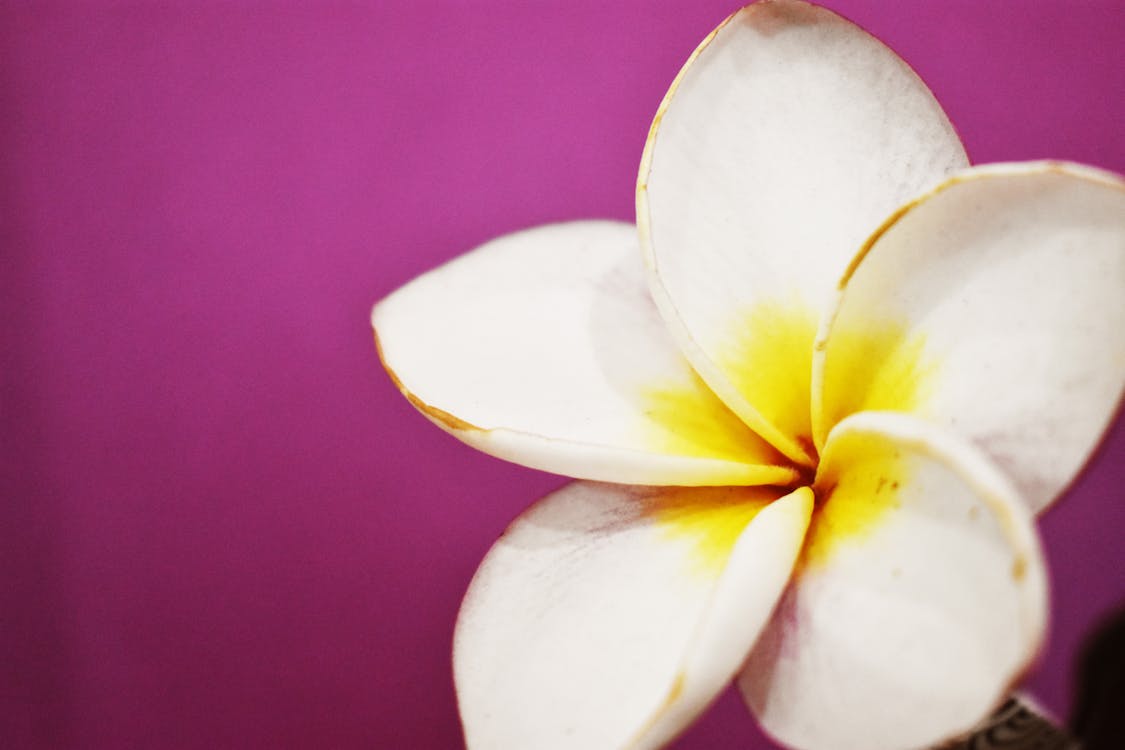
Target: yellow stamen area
870	365
769	361
709	519
859	486
874	366
690	420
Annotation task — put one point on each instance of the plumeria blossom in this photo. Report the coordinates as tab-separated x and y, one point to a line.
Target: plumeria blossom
814	398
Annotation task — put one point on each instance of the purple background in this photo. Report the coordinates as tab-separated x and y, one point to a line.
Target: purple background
221	525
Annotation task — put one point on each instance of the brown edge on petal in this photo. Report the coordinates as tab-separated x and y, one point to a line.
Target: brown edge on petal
1000	497
641	192
791	9
969	174
646	156
783	474
759	424
644	229
434	413
1114	181
1019	568
995	490
984	171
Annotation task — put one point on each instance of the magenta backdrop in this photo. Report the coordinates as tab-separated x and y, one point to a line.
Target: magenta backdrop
221	525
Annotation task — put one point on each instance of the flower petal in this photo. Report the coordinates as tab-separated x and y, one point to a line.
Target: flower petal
992	306
919	598
789	134
609	616
543	348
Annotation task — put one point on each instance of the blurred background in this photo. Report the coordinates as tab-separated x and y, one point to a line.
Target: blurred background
221	525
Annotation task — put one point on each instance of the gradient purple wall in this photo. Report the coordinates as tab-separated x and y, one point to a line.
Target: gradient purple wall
221	525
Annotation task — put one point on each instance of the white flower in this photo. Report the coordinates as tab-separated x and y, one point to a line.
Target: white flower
817	435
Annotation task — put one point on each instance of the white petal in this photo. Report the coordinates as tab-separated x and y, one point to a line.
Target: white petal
544	348
609	616
995	307
918	600
788	136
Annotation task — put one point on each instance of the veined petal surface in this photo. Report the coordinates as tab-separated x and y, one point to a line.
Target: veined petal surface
544	348
995	307
610	616
788	135
919	598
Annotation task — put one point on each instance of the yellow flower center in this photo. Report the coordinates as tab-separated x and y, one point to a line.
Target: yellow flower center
871	365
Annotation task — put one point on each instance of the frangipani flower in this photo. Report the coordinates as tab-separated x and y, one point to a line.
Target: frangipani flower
814	401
